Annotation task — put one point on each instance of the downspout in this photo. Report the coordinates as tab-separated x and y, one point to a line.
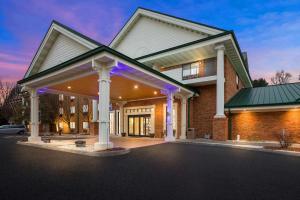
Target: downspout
229	125
188	113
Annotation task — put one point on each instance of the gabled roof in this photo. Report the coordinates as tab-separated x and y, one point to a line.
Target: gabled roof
185	23
98	50
55	28
274	95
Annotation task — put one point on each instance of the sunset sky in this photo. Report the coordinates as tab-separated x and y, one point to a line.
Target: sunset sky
268	30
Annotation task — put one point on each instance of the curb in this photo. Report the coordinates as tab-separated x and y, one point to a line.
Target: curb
94	154
257	148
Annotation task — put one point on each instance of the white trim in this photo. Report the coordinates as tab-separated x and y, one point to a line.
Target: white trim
63	31
186	48
164	18
264	108
161	97
152	114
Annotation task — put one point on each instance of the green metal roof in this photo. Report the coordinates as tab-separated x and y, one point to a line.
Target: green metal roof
274	95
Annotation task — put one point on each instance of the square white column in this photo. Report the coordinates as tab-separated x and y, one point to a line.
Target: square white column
220	81
95	110
183	117
170	99
34	116
103	70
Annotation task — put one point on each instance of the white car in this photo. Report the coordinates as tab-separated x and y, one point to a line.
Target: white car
13	129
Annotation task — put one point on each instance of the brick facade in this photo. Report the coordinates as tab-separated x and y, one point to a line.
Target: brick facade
266	125
220	129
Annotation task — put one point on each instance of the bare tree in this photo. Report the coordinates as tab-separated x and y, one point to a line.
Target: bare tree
281	77
5	91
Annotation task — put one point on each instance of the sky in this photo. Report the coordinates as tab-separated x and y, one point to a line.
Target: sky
269	31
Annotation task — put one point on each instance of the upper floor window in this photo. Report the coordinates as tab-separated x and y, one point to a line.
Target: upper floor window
61	97
85	108
190	70
61	111
202	68
72	109
72	125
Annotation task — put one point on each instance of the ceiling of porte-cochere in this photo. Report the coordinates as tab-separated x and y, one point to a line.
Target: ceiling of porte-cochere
121	88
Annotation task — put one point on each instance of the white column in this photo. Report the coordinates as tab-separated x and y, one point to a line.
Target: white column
34	116
170	136
104	97
183	117
95	110
220	81
121	108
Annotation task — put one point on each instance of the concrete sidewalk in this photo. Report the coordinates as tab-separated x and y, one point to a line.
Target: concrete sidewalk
247	145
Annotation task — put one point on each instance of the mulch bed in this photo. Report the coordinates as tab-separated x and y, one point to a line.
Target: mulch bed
297	149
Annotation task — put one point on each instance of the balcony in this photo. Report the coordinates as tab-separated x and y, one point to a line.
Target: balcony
199	69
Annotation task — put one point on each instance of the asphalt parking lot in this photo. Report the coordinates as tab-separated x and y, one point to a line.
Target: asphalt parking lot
163	171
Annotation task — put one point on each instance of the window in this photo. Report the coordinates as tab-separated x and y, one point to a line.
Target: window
61	125
85	108
210	66
61	97
61	111
237	81
72	97
85	125
72	109
190	70
72	125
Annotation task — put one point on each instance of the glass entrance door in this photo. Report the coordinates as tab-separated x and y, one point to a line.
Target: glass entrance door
139	125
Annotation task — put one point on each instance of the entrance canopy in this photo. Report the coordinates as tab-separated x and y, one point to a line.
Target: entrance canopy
77	76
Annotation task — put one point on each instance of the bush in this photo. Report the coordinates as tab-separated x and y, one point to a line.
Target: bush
285	140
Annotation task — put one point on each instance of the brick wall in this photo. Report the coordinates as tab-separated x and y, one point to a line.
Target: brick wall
231	87
265	125
202	110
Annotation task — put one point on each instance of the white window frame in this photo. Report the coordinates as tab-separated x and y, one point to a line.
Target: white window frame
85	125
72	125
85	108
72	109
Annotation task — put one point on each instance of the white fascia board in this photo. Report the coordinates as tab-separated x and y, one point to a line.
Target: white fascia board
55	73
244	67
200	80
186	48
180	22
167	19
65	32
264	108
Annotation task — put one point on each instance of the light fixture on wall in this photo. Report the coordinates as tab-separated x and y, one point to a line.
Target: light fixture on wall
135	86
155	92
69	87
120	97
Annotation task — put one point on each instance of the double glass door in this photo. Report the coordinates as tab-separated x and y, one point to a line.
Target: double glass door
139	125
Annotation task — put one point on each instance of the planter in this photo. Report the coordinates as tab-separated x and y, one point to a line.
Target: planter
123	134
46	140
80	143
151	135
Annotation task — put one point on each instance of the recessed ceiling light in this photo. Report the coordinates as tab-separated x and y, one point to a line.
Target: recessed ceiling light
69	87
120	97
135	86
155	92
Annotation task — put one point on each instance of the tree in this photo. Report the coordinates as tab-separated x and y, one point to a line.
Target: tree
281	77
261	82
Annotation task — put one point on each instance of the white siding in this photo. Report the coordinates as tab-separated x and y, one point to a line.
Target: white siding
174	73
148	36
62	50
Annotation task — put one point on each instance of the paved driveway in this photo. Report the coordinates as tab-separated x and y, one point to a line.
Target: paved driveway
163	171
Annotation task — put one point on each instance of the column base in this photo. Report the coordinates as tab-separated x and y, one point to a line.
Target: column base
35	139
182	137
220	128
102	146
170	139
219	116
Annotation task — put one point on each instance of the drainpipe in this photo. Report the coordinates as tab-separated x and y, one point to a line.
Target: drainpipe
188	112
229	125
